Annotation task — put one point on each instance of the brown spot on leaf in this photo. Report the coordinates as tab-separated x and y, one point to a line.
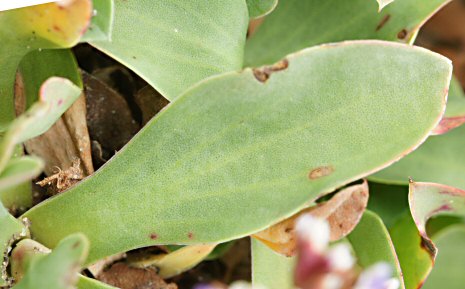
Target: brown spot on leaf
320	172
153	236
383	22
190	235
75	245
402	34
429	247
442	208
263	73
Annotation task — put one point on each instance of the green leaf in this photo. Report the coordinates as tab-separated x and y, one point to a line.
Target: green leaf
270	269
416	251
415	261
296	24
455	100
31	28
101	27
208	173
11	230
57	270
174	44
56	96
177	262
440	159
448	269
19	170
18	197
38	66
260	8
427	200
389	202
372	244
88	283
455	110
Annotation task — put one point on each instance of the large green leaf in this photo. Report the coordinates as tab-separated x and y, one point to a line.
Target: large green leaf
260	8
254	153
31	28
296	24
448	269
11	230
440	159
372	244
174	44
270	269
56	270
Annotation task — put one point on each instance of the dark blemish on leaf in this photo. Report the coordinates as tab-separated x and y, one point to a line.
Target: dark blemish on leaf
442	208
153	236
190	235
402	34
320	172
56	28
263	73
420	284
428	246
134	57
60	102
383	22
75	245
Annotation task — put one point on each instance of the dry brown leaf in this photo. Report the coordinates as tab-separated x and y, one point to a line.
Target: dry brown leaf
150	102
122	276
343	212
67	140
109	118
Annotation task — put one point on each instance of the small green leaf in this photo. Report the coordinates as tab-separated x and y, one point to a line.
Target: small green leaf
174	44
19	170
448	269
56	96
208	173
38	66
388	201
38	27
260	8
414	247
416	262
455	110
296	24
455	100
372	244
57	270
177	262
270	269
101	27
11	230
427	200
440	159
